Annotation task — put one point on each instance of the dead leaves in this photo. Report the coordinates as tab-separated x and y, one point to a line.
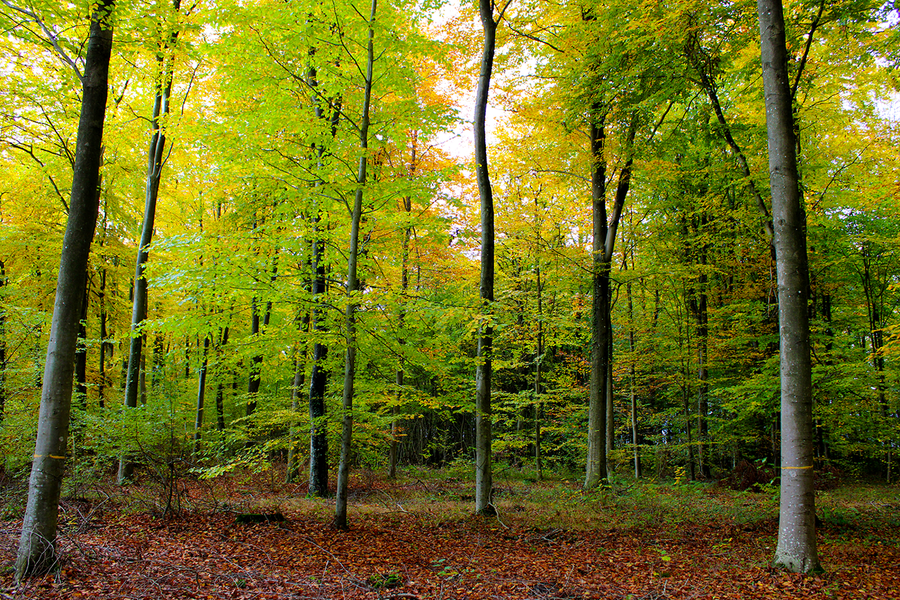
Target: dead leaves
404	557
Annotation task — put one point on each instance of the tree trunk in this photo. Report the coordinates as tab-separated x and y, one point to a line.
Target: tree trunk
37	545
151	193
340	511
104	345
610	406
3	284
483	360
254	378
291	471
604	238
796	549
80	396
201	396
318	438
632	374
596	470
538	383
220	387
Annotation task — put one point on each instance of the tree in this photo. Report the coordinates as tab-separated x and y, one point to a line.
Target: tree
483	483
796	549
340	511
162	91
37	545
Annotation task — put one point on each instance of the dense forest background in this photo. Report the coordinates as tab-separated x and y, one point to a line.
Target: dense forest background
245	117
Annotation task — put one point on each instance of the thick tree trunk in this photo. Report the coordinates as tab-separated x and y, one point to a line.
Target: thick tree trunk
796	549
340	510
604	237
318	439
483	364
37	545
596	470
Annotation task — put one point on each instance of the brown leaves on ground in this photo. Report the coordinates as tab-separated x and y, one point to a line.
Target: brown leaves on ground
406	555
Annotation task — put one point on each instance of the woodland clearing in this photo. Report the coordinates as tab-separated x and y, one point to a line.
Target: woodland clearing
416	537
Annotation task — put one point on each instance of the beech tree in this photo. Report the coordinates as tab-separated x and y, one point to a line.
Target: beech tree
796	549
483	355
37	545
340	511
155	160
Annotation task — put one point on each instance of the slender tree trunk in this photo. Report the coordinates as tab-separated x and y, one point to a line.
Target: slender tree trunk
154	174
538	383
796	549
610	405
254	378
37	545
201	396
291	472
81	348
3	283
80	396
340	511
702	376
220	387
632	375
483	364
104	345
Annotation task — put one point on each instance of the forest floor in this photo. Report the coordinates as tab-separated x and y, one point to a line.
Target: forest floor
416	538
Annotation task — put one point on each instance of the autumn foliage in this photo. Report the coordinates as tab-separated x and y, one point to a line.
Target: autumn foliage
415	538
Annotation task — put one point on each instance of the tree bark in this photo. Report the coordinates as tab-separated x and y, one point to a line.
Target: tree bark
538	383
201	396
37	545
596	469
318	439
220	387
151	193
340	511
483	357
796	550
3	283
401	318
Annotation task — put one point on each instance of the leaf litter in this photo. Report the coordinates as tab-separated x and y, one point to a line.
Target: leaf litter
404	553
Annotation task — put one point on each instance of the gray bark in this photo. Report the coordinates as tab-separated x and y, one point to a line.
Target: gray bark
37	545
796	550
604	239
340	511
